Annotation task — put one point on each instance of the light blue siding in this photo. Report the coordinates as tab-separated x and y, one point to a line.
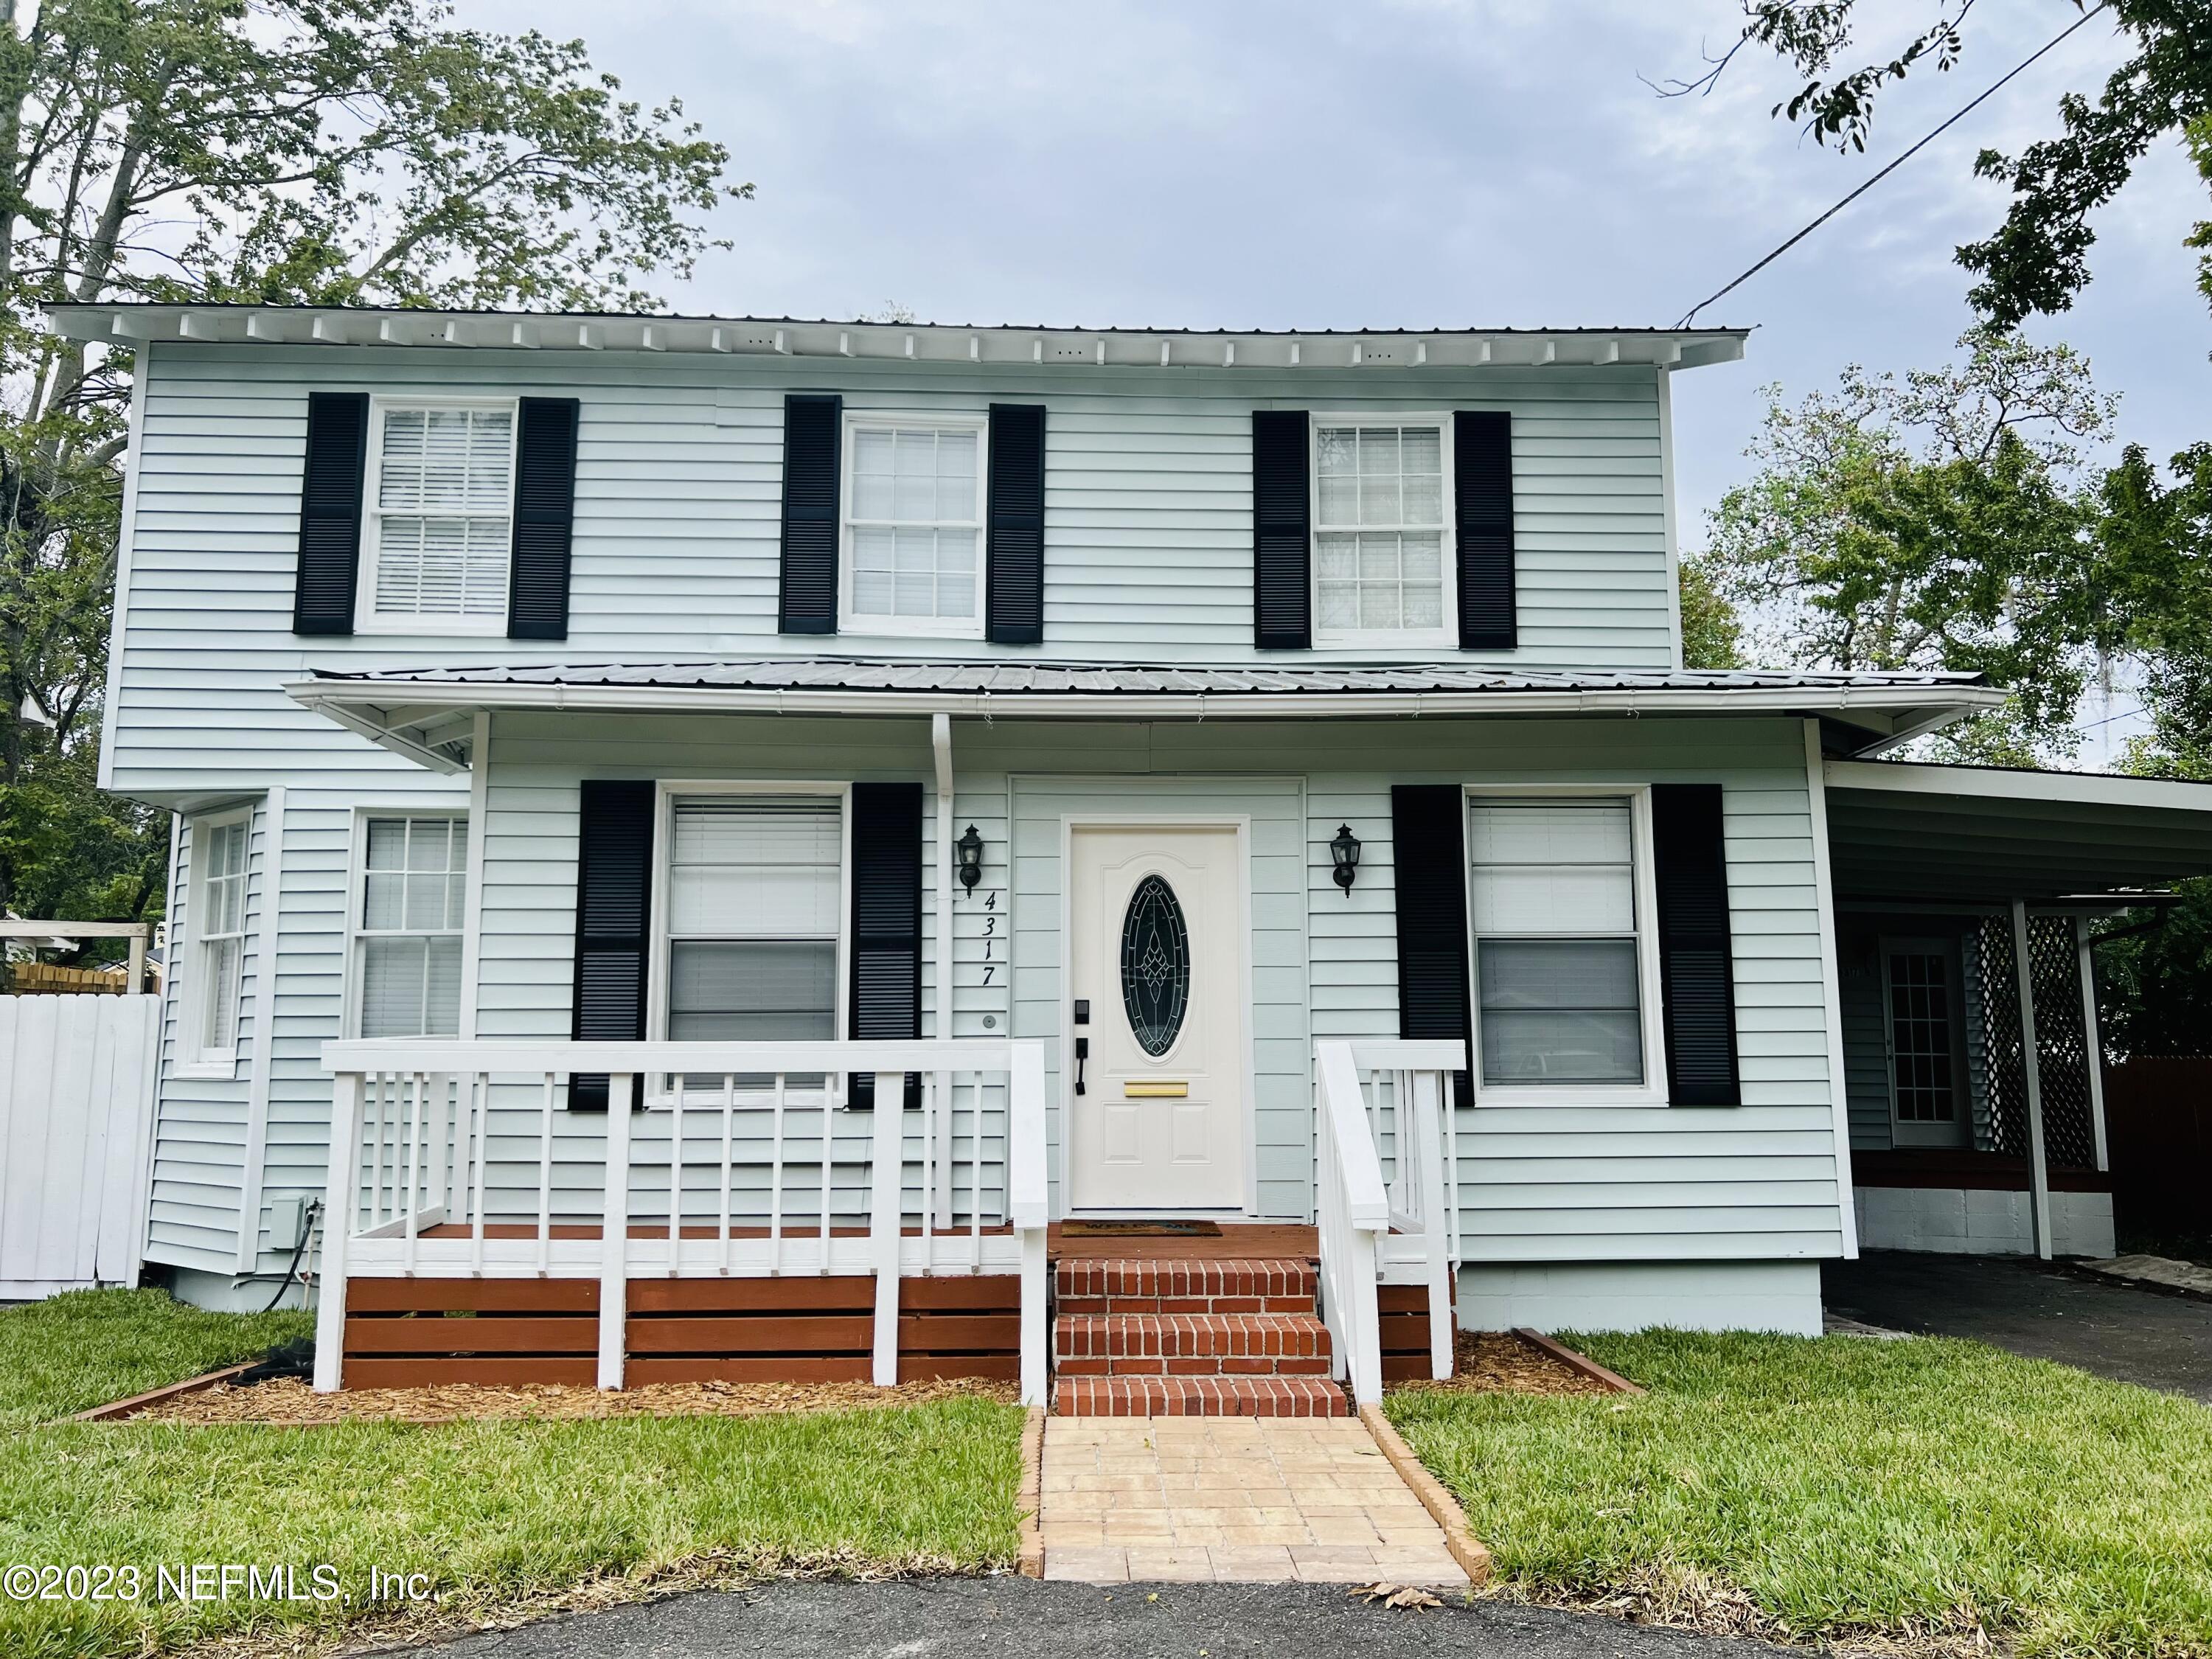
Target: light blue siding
1148	524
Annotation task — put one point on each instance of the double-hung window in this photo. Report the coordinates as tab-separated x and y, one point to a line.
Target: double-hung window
407	927
219	849
438	523
1559	990
914	525
1381	538
756	893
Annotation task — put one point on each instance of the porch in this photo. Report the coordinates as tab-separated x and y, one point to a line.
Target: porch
757	1215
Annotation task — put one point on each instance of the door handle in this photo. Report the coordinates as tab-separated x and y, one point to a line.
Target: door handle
1082	1054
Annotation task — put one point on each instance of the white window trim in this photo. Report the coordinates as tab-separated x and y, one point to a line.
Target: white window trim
357	897
659	1088
365	617
1448	567
1652	1091
1916	1134
195	1059
936	628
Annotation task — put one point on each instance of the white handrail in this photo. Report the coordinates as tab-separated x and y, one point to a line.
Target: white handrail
1028	1207
1352	1210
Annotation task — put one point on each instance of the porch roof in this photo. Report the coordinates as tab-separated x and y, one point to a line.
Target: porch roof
424	713
1965	836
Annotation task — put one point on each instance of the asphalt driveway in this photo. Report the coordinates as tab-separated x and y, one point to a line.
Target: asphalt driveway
976	1617
2112	1330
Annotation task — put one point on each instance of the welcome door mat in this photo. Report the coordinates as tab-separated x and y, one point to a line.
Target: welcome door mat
1139	1230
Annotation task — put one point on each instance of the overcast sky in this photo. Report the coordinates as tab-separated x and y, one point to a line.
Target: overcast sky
1389	163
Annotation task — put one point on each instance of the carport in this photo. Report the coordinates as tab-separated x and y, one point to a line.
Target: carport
1965	991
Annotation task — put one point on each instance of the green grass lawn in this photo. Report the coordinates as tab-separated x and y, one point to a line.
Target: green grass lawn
1846	1485
495	1513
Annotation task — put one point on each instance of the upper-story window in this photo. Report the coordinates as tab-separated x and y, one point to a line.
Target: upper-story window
439	517
914	525
1381	538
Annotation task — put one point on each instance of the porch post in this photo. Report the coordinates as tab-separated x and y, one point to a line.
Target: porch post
339	1199
2093	1042
886	1212
614	1235
2039	1175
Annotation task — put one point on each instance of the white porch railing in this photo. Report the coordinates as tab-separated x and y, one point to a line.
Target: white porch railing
455	1158
1387	1199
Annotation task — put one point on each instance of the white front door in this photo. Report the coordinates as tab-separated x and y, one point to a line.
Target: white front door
1156	953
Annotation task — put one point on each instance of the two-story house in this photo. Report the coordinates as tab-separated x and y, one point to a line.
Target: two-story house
1240	792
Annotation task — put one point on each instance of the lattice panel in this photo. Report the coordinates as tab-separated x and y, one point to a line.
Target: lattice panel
2061	1045
2061	1058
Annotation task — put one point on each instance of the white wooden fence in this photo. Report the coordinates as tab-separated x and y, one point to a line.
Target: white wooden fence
77	1117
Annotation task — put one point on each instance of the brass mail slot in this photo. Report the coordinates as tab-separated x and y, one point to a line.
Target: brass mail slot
1155	1090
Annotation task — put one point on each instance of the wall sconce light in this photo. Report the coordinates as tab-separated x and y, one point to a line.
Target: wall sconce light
970	848
1345	850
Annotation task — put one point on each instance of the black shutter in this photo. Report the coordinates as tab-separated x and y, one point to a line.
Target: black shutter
1689	866
330	512
808	598
614	908
885	994
544	517
1013	602
1428	835
1282	605
1482	460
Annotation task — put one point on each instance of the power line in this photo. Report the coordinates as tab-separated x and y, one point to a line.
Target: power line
1929	139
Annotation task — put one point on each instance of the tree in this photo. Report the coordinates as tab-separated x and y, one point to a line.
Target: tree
1712	633
2154	983
1940	521
322	152
2037	260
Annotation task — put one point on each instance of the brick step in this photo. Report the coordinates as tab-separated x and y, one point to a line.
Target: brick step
1190	1344
1143	1284
1199	1396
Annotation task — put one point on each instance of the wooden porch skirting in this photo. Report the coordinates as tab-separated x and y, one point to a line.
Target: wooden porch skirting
420	1332
1988	1172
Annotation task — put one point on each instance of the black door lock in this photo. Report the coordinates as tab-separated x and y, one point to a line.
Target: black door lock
1082	1054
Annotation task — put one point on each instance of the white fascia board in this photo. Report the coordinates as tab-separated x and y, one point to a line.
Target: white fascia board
1991	783
1109	348
358	704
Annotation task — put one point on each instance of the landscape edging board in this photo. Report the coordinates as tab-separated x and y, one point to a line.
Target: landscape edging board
1576	1362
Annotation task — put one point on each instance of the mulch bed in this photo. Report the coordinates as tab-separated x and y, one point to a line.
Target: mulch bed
288	1400
1498	1361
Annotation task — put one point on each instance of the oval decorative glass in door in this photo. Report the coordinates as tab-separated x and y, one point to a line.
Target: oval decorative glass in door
1155	965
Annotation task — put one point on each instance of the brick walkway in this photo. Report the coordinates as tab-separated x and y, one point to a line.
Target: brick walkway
1232	1498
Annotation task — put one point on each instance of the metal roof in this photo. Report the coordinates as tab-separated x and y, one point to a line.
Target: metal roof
1953	836
1088	679
1008	344
427	714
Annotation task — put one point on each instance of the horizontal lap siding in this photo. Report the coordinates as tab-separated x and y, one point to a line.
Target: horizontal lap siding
1148	524
537	764
1602	1183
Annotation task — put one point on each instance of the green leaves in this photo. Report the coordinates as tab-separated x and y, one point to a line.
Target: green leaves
2038	259
1938	522
273	151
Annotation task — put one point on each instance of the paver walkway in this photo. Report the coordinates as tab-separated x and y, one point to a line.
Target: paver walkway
1252	1499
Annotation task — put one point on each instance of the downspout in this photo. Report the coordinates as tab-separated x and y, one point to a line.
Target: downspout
940	745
